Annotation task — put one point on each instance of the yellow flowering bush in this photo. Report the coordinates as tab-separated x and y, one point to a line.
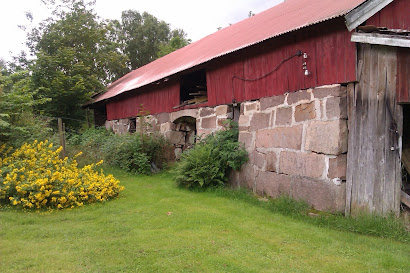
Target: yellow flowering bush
35	177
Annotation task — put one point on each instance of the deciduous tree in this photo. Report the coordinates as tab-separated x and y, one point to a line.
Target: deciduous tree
144	38
177	41
17	102
74	59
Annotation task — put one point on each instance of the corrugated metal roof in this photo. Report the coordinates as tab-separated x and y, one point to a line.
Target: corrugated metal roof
283	18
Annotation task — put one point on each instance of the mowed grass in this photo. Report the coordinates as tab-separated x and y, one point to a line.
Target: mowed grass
156	227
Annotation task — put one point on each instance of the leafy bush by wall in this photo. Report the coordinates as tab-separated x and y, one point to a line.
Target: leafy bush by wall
209	162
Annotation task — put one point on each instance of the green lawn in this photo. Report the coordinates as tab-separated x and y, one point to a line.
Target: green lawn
156	227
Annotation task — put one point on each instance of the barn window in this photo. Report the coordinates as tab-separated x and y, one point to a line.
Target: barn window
100	115
193	88
133	125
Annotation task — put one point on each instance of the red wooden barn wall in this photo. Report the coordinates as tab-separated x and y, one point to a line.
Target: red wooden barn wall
154	99
403	72
396	16
331	59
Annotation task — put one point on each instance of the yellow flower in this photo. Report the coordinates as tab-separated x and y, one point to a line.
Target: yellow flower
37	173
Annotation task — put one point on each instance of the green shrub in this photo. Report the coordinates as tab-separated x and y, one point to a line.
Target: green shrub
209	162
26	127
90	142
131	152
126	153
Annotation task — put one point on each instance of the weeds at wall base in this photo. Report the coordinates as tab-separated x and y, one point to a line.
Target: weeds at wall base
385	227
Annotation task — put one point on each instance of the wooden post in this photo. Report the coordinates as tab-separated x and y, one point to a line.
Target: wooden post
62	137
88	118
64	147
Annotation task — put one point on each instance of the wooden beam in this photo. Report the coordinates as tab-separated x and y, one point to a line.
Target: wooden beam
381	39
405	158
405	199
363	12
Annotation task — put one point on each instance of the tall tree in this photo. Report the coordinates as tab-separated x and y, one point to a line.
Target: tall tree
74	59
143	36
76	54
178	40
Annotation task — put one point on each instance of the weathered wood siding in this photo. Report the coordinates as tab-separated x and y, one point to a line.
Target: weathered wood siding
375	127
331	59
154	99
395	15
403	75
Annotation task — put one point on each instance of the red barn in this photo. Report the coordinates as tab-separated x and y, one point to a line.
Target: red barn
319	90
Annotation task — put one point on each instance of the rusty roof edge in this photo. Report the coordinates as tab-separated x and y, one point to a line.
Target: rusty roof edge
186	67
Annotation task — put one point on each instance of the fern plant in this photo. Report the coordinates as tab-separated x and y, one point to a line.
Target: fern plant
209	162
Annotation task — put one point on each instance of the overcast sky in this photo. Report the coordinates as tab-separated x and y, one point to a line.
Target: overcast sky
197	18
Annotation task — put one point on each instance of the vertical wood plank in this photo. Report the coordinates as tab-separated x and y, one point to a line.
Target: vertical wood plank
361	173
373	171
340	56
351	119
294	68
393	131
309	47
319	59
238	86
395	15
403	72
368	138
350	59
379	78
274	81
329	55
282	75
211	86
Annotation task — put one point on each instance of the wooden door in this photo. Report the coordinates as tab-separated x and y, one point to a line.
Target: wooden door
375	130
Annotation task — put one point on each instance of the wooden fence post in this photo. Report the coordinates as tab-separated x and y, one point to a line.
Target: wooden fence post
62	137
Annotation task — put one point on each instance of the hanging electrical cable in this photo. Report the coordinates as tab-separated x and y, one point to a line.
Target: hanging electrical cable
297	54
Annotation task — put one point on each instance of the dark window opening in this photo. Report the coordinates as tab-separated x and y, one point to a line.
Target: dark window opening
236	111
133	125
100	116
193	88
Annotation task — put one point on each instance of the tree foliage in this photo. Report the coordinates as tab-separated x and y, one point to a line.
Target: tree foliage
75	54
17	101
144	38
177	41
74	59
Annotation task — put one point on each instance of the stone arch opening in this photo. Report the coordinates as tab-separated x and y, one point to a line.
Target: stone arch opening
185	132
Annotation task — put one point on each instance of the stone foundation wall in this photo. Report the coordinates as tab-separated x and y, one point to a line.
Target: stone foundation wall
297	142
212	119
177	126
297	146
